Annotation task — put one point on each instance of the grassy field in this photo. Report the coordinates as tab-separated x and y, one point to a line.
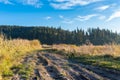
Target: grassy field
107	56
11	53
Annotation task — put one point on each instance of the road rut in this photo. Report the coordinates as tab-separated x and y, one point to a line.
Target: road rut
51	66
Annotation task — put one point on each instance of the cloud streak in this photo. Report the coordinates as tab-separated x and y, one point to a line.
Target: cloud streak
102	8
102	17
48	18
5	2
116	14
66	20
78	18
68	4
35	3
84	18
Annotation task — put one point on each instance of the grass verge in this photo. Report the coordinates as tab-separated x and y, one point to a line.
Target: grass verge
12	52
105	61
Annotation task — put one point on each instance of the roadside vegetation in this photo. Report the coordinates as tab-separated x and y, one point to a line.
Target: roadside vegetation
12	52
107	56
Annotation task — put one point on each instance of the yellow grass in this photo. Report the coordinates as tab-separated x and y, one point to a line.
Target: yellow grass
11	51
107	56
113	50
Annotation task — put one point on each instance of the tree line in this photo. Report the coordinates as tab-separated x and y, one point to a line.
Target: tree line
51	35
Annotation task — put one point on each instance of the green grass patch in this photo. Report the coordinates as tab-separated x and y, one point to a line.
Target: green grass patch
106	61
24	70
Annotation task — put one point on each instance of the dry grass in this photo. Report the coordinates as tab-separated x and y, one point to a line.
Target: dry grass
107	56
113	50
11	51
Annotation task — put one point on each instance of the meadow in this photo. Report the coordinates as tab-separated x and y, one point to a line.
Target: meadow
106	56
12	52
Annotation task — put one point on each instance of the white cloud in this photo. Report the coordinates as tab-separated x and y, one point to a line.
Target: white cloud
35	3
48	18
116	14
78	18
84	18
60	16
102	17
60	0
105	7
66	20
5	2
68	4
102	8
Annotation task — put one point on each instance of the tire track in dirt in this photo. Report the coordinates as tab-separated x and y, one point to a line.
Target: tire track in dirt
50	66
78	72
55	71
112	74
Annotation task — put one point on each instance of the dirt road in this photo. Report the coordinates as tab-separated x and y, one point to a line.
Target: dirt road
50	66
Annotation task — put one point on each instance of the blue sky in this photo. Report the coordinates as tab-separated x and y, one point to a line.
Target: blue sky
69	14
